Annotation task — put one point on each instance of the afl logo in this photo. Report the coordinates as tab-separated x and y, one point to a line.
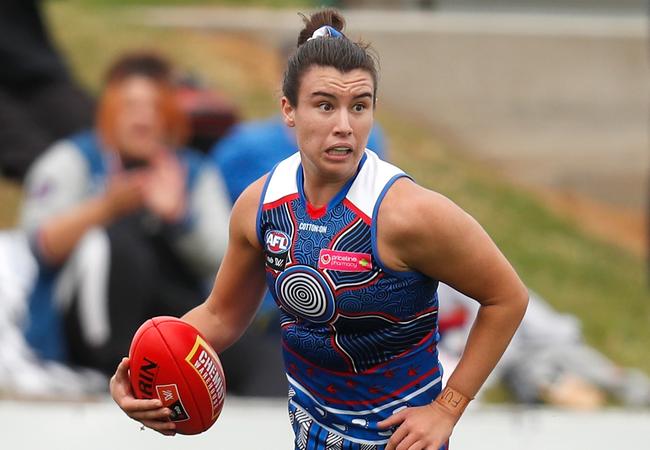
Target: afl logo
277	242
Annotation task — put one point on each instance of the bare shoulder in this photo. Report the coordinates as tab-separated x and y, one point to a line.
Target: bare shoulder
422	230
409	209
414	224
250	198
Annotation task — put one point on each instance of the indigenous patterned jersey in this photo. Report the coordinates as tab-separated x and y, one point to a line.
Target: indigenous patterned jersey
359	339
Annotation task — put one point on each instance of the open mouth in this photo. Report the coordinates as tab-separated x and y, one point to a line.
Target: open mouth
339	151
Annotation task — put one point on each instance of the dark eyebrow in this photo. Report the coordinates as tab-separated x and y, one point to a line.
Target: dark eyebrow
364	95
328	95
322	94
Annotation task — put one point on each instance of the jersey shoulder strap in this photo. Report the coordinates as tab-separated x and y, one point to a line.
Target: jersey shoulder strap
282	180
373	180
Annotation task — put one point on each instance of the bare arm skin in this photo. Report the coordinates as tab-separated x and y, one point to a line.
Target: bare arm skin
240	282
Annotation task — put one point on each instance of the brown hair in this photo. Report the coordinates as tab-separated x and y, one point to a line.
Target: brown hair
338	52
156	68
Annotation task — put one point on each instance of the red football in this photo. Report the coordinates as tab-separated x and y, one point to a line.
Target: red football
170	360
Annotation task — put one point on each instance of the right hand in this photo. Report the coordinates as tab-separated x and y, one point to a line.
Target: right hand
419	427
150	412
164	188
125	192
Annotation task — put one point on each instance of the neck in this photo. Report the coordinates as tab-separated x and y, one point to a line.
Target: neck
322	184
320	188
320	194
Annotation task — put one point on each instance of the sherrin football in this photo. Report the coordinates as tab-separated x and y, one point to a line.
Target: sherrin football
170	360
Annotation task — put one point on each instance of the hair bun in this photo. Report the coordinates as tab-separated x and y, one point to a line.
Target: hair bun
329	48
328	16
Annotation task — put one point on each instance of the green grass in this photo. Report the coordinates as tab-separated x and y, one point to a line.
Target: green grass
601	284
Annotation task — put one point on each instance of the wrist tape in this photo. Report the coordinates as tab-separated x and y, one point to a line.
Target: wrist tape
453	401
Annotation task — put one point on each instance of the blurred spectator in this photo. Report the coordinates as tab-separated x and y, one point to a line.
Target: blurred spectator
547	360
211	114
123	225
39	101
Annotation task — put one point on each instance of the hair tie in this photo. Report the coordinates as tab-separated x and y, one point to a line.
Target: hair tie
324	31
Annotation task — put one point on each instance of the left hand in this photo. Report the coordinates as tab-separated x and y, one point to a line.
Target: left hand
149	412
419	428
164	190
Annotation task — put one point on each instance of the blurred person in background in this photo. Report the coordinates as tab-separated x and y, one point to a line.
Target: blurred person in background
548	360
124	222
39	101
210	112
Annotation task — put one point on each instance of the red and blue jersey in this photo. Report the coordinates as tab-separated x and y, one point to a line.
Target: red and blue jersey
359	339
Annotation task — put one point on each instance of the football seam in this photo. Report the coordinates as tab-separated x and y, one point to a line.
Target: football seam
189	386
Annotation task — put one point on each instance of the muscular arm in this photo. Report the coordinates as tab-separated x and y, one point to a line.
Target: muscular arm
240	282
432	235
423	231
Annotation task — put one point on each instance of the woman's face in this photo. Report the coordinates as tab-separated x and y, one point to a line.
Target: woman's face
332	120
139	126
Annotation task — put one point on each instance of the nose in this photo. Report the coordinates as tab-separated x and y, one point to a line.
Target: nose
343	127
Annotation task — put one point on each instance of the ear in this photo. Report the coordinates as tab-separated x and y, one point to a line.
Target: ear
288	113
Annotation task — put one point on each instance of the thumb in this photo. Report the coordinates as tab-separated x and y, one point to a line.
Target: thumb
120	385
121	375
123	368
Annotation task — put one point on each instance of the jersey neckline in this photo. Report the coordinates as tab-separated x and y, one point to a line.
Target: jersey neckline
317	213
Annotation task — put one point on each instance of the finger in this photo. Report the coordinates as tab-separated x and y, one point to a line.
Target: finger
393	420
122	371
134	405
433	447
408	441
397	438
120	386
419	445
156	414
